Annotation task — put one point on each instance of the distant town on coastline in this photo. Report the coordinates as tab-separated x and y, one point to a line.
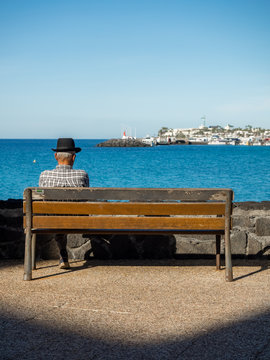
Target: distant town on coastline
203	135
208	135
215	135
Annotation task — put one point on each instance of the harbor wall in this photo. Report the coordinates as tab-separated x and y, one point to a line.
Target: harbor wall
250	237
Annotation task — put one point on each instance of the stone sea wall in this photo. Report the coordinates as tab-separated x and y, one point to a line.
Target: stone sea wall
250	237
123	143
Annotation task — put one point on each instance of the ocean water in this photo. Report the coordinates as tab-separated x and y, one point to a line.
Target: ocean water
245	169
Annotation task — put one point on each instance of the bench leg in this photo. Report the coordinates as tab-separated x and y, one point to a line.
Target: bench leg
228	257
218	238
34	241
28	256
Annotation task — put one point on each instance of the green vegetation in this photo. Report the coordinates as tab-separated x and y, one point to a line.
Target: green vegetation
163	130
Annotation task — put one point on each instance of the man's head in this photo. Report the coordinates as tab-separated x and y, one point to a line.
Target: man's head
65	158
65	151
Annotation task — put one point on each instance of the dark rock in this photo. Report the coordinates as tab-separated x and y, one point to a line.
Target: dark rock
252	205
157	246
263	226
241	221
15	222
11	204
11	244
82	252
76	240
3	220
113	247
122	143
101	247
123	247
47	247
13	250
133	246
238	242
266	251
192	245
254	246
10	235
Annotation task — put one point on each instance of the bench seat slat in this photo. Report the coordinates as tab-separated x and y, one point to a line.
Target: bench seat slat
113	208
126	223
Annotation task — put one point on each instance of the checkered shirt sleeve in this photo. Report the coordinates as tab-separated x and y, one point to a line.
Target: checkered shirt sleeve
64	176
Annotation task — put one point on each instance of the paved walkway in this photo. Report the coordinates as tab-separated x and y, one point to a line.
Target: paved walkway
135	310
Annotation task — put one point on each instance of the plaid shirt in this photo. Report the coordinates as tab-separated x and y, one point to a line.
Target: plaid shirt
64	176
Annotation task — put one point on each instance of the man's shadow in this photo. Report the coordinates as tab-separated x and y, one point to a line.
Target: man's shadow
132	247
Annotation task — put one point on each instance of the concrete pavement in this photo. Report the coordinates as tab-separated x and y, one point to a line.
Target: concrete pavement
129	309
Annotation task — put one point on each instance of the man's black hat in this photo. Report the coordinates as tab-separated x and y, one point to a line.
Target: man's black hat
66	145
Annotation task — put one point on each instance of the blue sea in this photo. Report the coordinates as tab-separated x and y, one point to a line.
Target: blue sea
245	169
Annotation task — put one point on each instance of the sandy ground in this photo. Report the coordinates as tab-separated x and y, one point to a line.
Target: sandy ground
173	309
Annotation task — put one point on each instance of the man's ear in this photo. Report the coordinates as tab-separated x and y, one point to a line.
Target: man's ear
55	155
73	157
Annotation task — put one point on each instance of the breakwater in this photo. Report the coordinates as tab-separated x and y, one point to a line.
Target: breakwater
122	143
250	237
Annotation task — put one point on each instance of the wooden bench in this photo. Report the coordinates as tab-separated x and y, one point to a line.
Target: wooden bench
126	211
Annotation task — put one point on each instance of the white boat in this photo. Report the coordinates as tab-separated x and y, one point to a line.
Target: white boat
165	140
149	140
218	142
198	141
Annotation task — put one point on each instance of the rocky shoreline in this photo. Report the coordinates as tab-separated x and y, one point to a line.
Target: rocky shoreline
122	143
250	237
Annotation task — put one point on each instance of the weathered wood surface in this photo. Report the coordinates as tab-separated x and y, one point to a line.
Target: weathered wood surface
118	208
131	194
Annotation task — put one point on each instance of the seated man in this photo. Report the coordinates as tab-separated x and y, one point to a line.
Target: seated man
64	176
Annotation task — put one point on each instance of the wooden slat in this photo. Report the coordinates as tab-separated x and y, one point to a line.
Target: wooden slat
132	194
126	223
72	208
121	231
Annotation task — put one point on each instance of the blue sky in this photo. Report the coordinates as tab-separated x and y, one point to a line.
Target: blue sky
88	69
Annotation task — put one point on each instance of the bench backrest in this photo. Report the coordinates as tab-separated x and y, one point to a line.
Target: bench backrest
127	210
